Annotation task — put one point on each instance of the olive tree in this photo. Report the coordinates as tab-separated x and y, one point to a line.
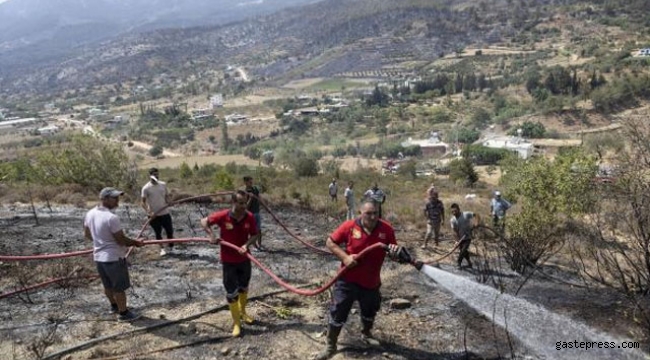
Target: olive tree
548	194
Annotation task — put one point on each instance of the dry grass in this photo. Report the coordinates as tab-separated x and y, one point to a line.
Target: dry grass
175	162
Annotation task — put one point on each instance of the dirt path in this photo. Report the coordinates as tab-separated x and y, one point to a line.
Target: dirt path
148	147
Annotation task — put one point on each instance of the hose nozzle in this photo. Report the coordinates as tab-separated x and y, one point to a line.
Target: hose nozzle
403	256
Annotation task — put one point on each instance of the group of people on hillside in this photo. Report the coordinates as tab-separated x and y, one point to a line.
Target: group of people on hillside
462	222
102	226
374	193
240	226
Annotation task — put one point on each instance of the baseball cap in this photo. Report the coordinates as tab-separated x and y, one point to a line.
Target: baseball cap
497	193
110	192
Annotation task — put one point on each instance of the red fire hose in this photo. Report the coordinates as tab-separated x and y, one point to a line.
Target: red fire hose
144	227
378	246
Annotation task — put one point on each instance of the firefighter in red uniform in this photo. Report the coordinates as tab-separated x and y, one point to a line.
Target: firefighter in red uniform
237	226
361	282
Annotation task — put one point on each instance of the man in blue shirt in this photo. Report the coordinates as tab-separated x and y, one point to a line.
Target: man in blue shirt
498	208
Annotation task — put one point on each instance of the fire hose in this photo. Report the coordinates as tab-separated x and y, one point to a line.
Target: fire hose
403	256
144	227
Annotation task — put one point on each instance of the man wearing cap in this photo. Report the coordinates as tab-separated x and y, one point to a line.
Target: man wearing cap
103	228
155	200
236	226
498	208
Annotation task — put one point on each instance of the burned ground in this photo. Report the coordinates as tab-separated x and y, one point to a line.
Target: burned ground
188	282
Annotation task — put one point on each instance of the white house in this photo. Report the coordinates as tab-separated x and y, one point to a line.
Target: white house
48	130
524	148
216	101
432	146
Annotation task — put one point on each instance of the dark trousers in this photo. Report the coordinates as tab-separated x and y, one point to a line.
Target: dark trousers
464	251
236	277
163	222
345	294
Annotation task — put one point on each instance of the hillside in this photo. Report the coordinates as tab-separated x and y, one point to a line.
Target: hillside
37	32
329	38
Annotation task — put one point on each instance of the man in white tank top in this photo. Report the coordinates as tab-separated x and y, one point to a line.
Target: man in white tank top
155	199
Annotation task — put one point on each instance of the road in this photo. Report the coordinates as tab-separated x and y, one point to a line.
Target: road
243	74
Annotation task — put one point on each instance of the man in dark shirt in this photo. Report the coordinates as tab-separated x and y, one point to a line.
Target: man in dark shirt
434	211
253	206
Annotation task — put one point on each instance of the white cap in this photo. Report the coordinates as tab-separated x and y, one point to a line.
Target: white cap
497	193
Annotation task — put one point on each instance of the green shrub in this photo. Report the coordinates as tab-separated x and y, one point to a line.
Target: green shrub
462	170
306	167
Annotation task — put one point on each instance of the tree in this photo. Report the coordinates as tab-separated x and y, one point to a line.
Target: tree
408	169
532	81
225	140
612	246
185	171
306	167
223	181
462	170
156	150
549	194
378	97
533	130
480	118
88	162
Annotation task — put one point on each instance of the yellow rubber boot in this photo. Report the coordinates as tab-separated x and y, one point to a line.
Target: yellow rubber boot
243	300
234	311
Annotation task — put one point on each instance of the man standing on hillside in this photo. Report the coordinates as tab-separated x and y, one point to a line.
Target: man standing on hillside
333	190
361	282
431	190
155	199
103	228
434	212
349	200
461	224
236	226
253	205
376	194
498	208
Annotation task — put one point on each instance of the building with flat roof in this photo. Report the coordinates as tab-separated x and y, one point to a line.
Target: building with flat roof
523	148
432	146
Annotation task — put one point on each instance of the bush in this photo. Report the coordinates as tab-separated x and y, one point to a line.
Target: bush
464	135
156	150
482	155
185	171
306	167
462	170
533	130
84	161
223	181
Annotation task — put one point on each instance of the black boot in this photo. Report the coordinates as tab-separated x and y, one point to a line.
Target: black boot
332	337
366	332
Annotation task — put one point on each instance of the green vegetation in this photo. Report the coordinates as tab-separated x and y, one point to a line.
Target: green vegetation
335	84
